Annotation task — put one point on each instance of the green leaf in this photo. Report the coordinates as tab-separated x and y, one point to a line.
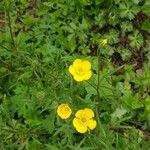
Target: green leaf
90	90
146	25
3	70
118	113
105	87
29	20
25	75
147	103
71	41
33	122
132	101
136	1
128	10
48	123
146	8
126	26
125	53
100	20
112	36
53	147
147	107
136	39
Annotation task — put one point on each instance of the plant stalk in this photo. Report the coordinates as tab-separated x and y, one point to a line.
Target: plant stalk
97	89
7	6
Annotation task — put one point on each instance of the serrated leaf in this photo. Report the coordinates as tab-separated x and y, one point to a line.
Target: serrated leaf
128	10
146	25
146	8
33	122
105	87
132	101
136	1
25	75
136	39
147	108
119	112
147	103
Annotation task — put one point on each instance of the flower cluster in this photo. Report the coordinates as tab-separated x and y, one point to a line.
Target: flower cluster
83	120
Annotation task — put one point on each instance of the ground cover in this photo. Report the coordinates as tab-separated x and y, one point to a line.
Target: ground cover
74	74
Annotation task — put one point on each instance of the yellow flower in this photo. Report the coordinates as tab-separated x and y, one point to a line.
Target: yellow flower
80	70
64	111
103	42
84	121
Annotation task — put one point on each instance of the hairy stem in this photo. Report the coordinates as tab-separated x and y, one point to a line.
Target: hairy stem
98	75
97	89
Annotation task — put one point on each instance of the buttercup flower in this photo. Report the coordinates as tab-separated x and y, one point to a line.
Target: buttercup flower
84	121
80	70
64	111
103	42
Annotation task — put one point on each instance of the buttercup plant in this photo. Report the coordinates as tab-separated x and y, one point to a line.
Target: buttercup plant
81	71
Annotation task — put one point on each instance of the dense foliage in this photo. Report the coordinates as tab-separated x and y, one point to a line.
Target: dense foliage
40	39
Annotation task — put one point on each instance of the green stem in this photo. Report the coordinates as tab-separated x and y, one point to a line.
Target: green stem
97	89
7	5
71	88
98	75
97	116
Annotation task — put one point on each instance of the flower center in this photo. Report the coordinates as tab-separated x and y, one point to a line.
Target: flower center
83	120
79	70
65	110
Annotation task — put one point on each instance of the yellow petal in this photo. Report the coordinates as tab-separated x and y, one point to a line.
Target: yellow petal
79	127
59	109
78	78
88	75
79	113
92	124
103	42
86	65
65	116
77	62
75	122
71	70
82	129
89	113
